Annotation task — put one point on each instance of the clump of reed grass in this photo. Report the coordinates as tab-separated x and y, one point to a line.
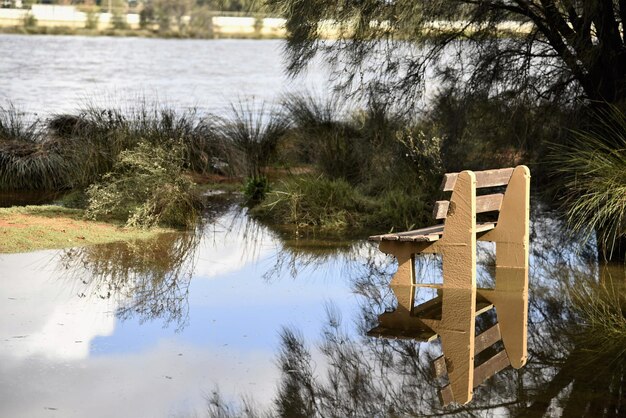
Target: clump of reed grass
103	133
315	202
324	137
594	165
16	126
145	188
28	159
251	134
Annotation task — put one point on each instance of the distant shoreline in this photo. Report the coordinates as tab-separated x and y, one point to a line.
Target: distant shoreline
73	20
129	33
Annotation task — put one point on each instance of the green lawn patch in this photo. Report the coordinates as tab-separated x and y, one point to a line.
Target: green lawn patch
31	228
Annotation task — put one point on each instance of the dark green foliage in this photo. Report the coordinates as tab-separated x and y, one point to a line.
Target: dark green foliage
255	189
251	136
146	187
324	138
479	132
27	160
315	201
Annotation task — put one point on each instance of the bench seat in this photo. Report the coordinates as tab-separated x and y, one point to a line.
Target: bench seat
429	234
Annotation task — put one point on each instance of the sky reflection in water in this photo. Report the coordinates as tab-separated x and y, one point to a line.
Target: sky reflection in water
152	329
62	347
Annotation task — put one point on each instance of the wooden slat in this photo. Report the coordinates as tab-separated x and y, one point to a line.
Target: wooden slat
483	372
380	331
486	203
423	234
436	301
487	178
439	366
492	366
429	234
445	395
487	339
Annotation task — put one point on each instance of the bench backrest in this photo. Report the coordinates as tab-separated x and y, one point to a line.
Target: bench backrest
484	203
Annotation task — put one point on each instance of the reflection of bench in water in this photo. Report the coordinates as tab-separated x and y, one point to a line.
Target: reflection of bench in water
452	316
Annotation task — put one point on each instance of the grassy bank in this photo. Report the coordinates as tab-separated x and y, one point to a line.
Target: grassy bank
306	163
31	228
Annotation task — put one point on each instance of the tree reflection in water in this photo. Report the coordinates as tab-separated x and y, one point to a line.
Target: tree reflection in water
576	348
148	279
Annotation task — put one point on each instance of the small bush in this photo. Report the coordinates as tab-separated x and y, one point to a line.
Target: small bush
322	138
146	188
256	189
315	201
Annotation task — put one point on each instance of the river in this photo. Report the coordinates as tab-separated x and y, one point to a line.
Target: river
57	74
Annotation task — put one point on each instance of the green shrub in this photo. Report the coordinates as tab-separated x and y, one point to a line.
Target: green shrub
256	189
333	145
315	201
145	188
480	132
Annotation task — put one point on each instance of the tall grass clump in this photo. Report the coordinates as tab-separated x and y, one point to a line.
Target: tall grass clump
389	165
15	126
252	135
593	166
99	135
146	187
329	204
28	159
323	136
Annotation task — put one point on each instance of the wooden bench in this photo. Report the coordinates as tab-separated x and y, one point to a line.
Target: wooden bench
456	238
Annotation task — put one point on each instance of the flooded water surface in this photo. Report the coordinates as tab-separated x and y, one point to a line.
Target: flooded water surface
193	324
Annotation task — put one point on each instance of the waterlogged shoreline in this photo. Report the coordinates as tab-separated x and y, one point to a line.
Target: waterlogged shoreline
32	228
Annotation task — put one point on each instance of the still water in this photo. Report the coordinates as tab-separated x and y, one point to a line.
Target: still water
56	74
240	314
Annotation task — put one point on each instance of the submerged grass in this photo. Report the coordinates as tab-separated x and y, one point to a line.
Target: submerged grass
32	228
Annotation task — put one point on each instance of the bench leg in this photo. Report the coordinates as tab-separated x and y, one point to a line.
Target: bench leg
405	254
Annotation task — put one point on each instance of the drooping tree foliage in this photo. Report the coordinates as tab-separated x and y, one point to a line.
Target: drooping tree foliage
550	49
